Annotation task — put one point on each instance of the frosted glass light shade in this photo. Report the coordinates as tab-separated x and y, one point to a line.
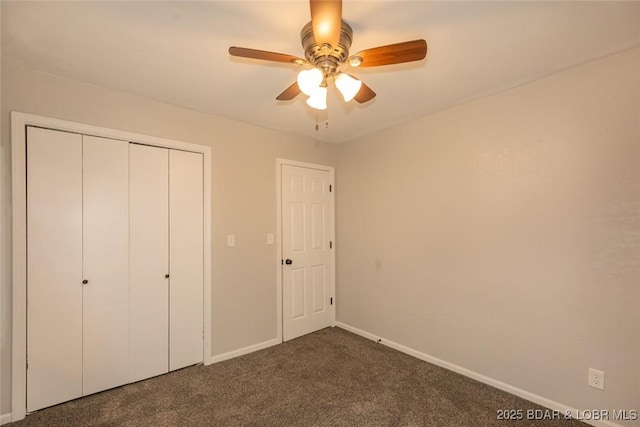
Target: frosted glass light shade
318	99
309	80
348	86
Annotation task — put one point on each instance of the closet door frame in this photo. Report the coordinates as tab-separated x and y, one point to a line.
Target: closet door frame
19	123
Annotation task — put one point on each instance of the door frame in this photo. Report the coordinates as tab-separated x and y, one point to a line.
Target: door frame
19	122
332	232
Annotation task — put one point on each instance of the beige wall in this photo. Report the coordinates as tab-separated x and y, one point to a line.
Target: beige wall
508	234
243	193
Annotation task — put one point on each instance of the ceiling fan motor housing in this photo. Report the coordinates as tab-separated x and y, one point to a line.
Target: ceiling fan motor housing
326	57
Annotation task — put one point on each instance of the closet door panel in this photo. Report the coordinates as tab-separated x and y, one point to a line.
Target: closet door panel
54	267
149	249
186	257
106	263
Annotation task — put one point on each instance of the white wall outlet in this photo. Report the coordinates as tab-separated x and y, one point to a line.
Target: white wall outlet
231	240
596	378
270	238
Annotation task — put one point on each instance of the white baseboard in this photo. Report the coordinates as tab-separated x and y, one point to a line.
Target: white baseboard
543	401
243	351
5	419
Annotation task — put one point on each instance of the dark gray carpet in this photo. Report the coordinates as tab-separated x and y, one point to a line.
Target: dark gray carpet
328	378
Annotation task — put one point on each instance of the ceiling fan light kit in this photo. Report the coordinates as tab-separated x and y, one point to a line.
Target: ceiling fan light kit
309	80
348	86
318	98
326	41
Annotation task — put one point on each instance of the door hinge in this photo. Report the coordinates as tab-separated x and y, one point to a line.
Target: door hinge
330	245
330	187
331	300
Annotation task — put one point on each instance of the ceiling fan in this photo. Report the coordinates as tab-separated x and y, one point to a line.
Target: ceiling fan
326	41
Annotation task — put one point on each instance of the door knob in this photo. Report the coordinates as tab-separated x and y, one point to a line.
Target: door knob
166	276
85	281
288	261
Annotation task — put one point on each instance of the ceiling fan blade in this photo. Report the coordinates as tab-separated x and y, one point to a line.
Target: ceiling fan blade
393	54
244	52
326	21
365	94
289	93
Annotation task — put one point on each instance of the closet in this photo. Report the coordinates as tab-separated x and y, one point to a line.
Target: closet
166	218
114	263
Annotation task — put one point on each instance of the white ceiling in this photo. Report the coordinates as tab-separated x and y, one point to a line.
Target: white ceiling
176	52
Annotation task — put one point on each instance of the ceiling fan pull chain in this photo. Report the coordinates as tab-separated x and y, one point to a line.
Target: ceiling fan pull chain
317	127
326	119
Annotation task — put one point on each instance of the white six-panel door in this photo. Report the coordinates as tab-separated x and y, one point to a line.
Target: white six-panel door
105	230
54	267
308	270
149	291
186	245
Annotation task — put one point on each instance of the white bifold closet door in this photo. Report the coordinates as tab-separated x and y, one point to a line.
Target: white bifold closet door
166	220
77	221
54	267
186	263
114	263
105	236
149	293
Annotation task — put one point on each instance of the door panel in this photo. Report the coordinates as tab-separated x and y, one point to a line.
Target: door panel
296	227
298	297
306	233
105	229
149	249
186	258
318	224
319	288
54	267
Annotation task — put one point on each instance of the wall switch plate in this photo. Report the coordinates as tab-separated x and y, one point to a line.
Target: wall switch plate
270	239
596	378
231	240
